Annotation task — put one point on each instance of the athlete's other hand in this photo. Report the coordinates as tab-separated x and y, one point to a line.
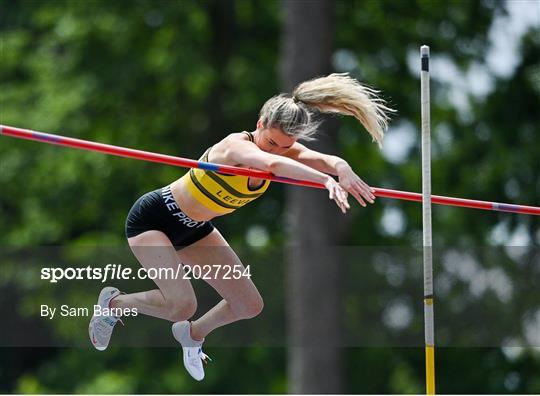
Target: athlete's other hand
351	183
338	194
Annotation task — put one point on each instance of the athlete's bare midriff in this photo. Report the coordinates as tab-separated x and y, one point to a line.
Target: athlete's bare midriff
189	205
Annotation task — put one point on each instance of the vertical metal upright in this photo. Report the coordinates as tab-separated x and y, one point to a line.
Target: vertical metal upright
429	321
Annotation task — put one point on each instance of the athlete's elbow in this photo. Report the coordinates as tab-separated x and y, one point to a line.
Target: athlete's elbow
273	165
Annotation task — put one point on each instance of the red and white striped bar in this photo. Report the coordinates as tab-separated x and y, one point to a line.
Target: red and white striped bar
461	202
233	170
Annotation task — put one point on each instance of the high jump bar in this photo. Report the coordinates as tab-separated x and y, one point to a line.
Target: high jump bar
233	170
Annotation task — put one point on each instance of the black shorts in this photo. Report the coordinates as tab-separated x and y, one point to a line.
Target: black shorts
158	210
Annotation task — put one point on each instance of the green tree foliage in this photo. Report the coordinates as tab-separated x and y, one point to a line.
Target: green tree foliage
175	76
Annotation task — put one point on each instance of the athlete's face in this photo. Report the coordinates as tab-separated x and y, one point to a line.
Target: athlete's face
272	140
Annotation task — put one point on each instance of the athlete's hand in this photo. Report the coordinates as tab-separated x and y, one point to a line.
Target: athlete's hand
351	183
337	193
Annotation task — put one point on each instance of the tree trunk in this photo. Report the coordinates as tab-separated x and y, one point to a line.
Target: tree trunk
222	18
313	222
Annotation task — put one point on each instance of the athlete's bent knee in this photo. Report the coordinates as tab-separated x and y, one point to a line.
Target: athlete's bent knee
250	309
182	310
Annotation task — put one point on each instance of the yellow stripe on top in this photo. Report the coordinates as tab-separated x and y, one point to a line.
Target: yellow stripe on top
221	193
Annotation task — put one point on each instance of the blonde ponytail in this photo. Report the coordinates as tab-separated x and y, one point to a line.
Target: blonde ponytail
340	93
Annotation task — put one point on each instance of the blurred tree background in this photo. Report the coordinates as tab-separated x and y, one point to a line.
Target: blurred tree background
176	76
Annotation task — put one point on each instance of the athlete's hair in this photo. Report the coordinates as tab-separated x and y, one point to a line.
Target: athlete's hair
336	93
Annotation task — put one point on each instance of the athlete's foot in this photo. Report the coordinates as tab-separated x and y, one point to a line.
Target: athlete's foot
192	349
101	327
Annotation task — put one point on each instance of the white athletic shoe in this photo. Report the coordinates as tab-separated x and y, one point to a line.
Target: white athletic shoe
101	327
192	350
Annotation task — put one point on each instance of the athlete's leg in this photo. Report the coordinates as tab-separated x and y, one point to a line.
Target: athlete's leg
241	299
175	299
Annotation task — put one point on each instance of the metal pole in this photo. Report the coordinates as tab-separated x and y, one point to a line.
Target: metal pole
429	322
232	170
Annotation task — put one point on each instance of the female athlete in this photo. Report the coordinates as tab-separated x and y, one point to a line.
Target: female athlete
171	224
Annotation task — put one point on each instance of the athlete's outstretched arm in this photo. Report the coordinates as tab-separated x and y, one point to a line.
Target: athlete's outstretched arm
333	165
248	155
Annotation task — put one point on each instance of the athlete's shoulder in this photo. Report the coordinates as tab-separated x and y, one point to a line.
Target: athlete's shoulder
244	135
234	138
227	149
